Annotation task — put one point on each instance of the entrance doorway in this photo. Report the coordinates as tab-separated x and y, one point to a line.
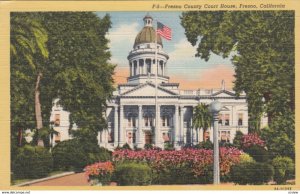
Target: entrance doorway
148	137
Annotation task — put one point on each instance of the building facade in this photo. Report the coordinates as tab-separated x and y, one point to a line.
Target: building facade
143	112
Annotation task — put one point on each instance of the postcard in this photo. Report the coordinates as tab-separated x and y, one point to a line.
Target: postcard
147	95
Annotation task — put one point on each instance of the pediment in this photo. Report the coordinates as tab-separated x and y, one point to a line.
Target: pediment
148	89
223	93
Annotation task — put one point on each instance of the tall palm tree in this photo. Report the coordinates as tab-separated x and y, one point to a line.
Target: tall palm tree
202	118
28	45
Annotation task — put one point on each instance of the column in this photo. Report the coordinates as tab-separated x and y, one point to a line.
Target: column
140	131
116	127
131	69
181	124
122	131
176	126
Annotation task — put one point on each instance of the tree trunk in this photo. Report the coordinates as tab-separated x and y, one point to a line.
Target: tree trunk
204	132
38	111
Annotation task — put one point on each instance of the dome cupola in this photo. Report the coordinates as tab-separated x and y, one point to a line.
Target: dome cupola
147	34
142	63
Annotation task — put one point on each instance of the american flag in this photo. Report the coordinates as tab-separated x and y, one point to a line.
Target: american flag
164	31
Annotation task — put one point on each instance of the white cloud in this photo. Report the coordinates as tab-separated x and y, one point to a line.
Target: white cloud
121	41
183	61
183	56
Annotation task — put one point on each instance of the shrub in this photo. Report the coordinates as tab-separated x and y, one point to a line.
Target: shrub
32	162
252	139
244	158
205	145
101	172
237	141
132	174
75	155
126	146
148	146
259	153
284	169
69	155
226	144
168	146
252	173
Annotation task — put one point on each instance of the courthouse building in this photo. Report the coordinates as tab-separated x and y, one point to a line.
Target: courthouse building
134	110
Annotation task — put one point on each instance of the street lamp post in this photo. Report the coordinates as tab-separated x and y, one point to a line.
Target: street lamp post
215	108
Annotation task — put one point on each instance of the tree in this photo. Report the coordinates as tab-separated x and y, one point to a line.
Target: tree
74	68
202	118
28	49
262	43
80	71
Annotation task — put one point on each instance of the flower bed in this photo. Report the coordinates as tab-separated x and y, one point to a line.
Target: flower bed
99	173
197	159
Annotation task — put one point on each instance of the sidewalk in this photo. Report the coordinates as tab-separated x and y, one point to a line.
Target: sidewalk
77	179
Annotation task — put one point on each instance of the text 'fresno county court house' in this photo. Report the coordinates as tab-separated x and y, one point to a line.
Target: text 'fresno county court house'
131	113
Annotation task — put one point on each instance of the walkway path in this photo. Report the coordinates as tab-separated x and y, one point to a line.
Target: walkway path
77	179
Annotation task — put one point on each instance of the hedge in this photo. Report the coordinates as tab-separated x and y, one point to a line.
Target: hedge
75	155
132	174
32	162
252	173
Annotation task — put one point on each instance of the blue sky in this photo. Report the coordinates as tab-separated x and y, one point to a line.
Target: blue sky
182	65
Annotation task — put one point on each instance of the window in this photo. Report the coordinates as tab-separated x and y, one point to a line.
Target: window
225	136
220	118
240	119
57	119
226	119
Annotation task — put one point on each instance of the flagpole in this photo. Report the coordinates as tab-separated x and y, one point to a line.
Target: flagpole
156	106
